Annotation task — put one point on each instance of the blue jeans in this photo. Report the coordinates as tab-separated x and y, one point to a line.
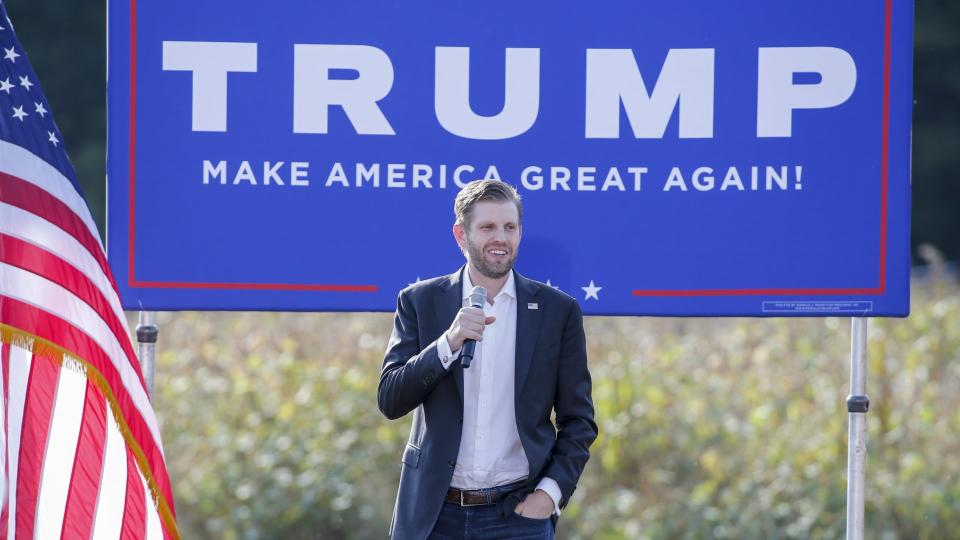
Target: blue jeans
486	523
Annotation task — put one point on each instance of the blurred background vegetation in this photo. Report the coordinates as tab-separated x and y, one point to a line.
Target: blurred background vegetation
709	428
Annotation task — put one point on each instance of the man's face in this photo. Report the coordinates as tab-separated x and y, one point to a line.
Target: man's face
491	241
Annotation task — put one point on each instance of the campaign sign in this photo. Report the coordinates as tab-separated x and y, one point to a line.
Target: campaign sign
674	158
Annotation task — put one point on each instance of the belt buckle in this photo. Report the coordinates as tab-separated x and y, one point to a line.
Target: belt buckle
463	501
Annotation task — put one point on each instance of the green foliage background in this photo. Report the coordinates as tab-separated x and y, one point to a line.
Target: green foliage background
709	428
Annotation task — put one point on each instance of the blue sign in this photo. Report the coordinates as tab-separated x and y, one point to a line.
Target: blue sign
674	158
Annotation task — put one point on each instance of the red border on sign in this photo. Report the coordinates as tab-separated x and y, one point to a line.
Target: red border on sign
884	148
879	289
213	285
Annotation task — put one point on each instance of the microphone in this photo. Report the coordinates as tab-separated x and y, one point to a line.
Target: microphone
478	297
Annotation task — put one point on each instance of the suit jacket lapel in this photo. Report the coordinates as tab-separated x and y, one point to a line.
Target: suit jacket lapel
447	303
528	326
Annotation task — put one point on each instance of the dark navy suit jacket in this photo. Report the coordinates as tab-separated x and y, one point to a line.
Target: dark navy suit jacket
551	375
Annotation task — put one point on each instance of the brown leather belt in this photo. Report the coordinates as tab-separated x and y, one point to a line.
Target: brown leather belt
464	497
480	497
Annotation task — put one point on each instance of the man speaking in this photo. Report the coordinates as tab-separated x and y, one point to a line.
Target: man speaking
484	460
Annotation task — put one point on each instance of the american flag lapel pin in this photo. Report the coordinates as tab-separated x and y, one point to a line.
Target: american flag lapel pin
532	305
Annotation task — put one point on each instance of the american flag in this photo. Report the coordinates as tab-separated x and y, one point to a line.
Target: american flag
80	455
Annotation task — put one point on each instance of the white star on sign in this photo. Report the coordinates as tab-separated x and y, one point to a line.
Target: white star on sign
5	85
552	285
39	109
11	55
53	138
18	113
591	291
25	82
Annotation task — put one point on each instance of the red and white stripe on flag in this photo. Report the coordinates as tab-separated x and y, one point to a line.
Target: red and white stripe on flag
71	474
82	453
82	456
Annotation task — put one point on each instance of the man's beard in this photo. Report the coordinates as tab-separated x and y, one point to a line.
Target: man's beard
490	270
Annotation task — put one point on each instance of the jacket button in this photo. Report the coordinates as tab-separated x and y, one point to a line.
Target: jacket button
460	420
452	463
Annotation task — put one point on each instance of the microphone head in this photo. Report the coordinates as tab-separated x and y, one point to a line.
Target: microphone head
478	296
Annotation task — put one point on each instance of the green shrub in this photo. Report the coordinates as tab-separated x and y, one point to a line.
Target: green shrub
709	428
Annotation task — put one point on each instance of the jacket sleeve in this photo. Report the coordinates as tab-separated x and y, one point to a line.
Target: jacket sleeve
576	429
408	374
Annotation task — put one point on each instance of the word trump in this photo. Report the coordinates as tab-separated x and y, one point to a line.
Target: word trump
613	83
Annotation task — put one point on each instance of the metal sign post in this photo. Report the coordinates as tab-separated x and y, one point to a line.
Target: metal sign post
147	346
857	405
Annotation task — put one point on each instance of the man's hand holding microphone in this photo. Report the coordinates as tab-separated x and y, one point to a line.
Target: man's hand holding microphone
467	327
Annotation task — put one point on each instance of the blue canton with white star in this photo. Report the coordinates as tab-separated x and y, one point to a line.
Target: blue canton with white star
25	118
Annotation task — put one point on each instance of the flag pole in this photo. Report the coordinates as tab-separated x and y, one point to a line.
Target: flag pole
857	405
147	332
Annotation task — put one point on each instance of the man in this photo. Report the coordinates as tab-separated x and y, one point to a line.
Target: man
484	459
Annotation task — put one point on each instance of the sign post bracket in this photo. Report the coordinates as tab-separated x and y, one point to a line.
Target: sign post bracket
147	332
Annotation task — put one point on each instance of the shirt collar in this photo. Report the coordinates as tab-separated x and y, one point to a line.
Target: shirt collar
509	288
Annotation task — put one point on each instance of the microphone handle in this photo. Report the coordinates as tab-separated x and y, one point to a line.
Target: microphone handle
469	345
466	356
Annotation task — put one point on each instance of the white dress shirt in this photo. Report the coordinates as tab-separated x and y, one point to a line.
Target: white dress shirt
490	450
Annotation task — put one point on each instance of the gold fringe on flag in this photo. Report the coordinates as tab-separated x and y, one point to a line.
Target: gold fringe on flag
60	356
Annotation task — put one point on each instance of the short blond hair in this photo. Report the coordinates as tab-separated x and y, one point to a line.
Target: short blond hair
484	190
